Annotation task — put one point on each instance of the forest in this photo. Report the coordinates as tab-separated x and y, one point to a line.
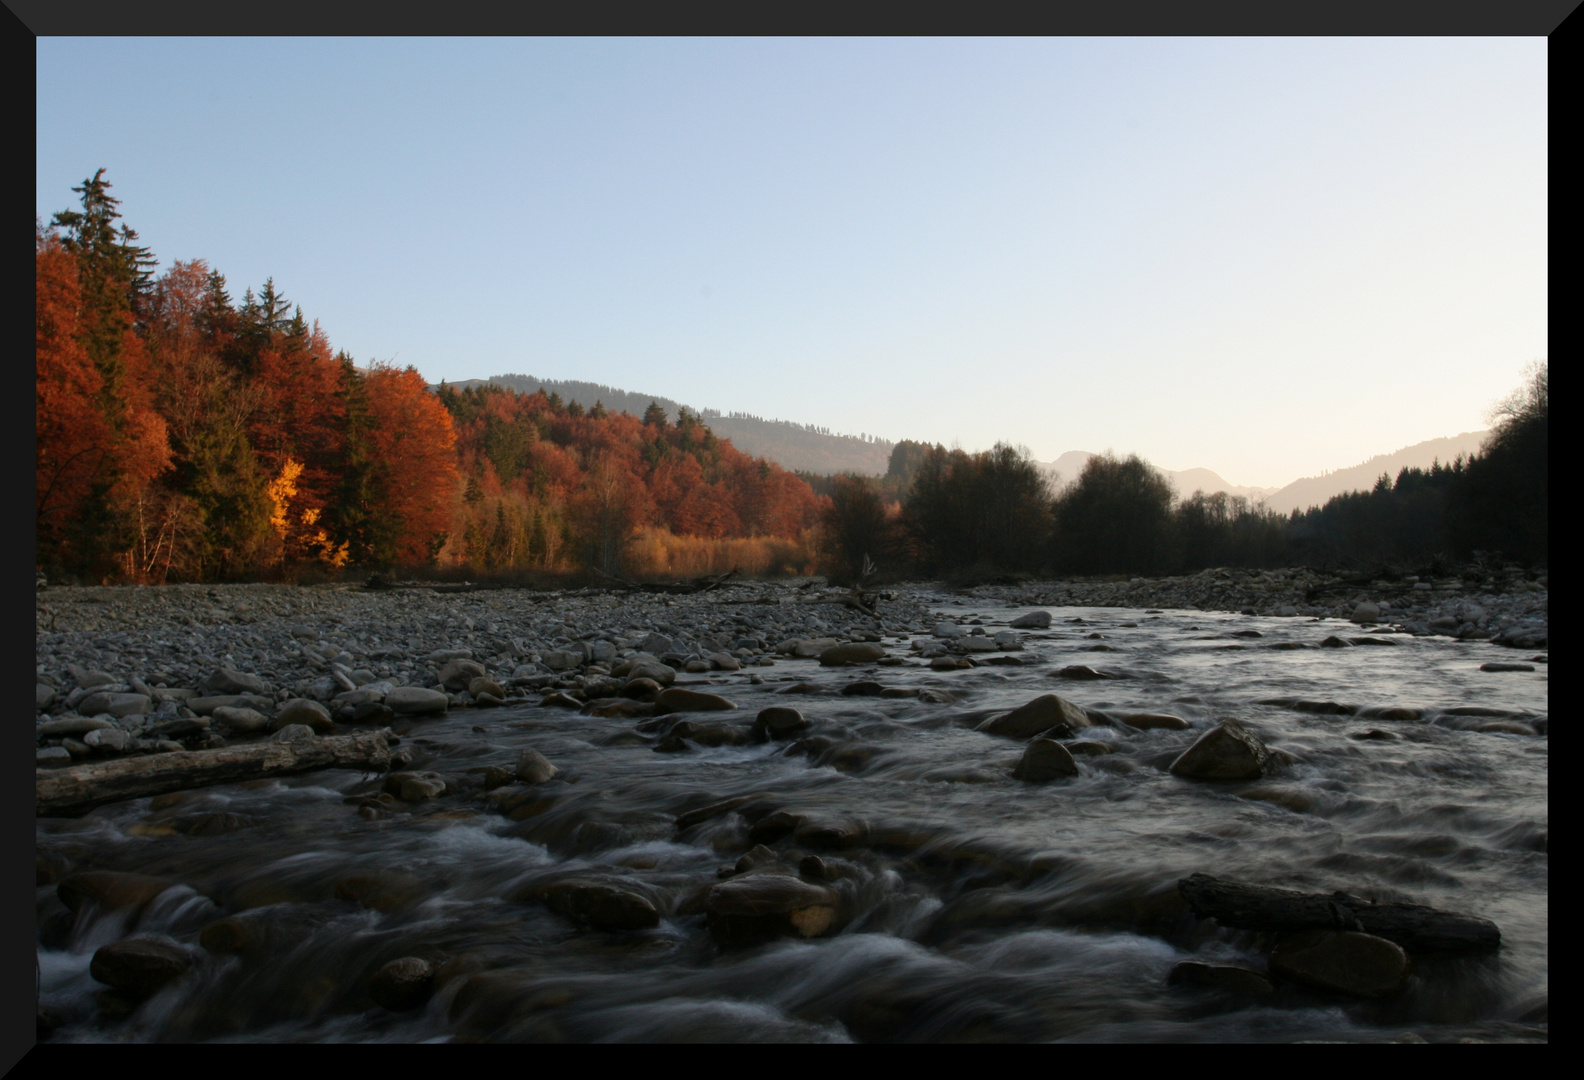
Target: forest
948	513
184	435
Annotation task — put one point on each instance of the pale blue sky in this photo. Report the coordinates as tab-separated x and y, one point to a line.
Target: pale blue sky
1267	257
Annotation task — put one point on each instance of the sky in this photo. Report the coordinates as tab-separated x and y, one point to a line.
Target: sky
1265	257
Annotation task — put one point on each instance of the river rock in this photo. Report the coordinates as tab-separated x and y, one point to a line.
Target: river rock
603	905
1037	717
1366	613
1045	759
534	768
404	983
109	740
852	652
1034	620
52	755
561	660
242	721
1227	751
43	696
140	967
303	711
482	685
1344	961
808	648
203	706
1153	721
661	674
976	643
109	889
291	733
230	681
779	722
677	699
71	725
1500	666
1236	980
457	674
949	630
115	704
723	661
753	907
416	701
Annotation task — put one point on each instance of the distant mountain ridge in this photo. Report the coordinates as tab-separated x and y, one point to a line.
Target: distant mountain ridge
1065	469
1315	490
807	448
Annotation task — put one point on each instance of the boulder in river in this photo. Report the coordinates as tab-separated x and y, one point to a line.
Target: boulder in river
1034	620
1344	961
1045	759
533	768
140	967
404	983
1227	751
1037	717
754	907
780	722
604	905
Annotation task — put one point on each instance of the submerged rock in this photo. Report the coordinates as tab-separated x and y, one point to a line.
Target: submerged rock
678	699
1236	980
604	905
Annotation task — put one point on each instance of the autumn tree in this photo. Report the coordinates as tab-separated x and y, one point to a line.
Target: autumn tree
416	476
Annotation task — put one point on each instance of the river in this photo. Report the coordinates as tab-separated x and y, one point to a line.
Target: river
973	906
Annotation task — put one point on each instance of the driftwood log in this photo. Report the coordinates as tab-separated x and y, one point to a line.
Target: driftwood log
1259	907
77	789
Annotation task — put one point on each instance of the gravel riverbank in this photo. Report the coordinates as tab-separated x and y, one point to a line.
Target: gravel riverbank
139	669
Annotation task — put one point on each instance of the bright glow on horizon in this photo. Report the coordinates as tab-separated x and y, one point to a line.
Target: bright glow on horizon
1265	257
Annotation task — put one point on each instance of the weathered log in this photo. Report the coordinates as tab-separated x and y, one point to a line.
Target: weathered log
76	790
1260	907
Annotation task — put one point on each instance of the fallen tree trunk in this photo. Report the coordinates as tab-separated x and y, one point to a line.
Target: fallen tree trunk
1259	907
77	789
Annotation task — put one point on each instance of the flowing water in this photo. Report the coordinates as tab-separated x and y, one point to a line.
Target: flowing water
973	906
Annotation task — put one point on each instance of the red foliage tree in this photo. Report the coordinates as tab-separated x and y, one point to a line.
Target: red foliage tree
418	481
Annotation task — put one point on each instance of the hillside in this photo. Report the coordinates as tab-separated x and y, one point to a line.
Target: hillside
792	446
1315	490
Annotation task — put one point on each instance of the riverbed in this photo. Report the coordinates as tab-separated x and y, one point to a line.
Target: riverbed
969	905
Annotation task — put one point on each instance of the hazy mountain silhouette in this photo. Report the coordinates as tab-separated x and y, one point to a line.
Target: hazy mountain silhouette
1065	469
1315	490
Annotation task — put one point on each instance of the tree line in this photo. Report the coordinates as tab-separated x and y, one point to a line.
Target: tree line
949	513
182	435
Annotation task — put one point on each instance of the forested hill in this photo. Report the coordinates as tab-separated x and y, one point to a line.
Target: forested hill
1316	490
798	447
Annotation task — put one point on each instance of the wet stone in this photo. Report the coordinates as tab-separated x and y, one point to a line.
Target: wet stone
1037	717
754	907
140	967
533	768
603	905
1045	759
1344	961
404	983
1227	751
1227	977
678	699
